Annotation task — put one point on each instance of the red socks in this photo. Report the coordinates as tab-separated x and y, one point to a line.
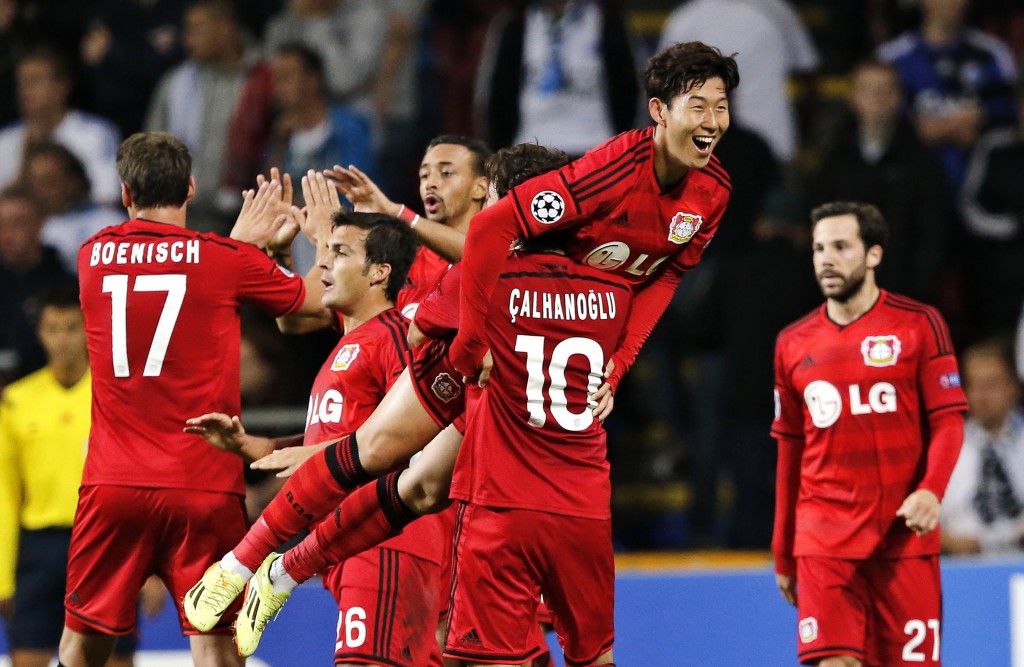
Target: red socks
372	514
317	487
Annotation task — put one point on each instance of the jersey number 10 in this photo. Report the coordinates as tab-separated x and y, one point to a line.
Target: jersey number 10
533	346
117	286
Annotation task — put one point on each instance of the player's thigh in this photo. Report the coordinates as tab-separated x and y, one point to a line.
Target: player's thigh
906	623
398	428
198	528
388	602
425	485
578	581
495	591
111	554
40	575
833	603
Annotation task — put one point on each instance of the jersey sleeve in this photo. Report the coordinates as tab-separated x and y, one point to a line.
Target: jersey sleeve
263	283
394	354
648	307
10	501
789	420
943	400
938	373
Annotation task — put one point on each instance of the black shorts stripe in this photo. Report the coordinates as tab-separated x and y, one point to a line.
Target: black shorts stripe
460	512
470	656
343	657
96	624
379	613
592	659
394	577
832	650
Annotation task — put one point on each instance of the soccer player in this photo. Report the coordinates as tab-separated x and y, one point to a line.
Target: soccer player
161	319
453	188
642	206
431	394
869	422
388	598
44	423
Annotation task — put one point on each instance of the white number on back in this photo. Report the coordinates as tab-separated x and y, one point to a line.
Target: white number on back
917	631
533	346
117	286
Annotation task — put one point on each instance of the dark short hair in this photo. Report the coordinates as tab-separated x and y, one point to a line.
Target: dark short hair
678	68
311	61
223	8
58	61
510	166
870	221
479	149
69	163
390	241
63	294
155	167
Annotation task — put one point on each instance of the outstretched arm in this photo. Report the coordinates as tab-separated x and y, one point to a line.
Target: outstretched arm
227	434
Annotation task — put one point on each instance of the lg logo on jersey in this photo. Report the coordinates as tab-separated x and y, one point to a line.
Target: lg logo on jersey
825	402
326	408
611	256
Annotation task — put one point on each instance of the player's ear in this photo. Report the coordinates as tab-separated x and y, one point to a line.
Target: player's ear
380	274
191	188
480	188
657	110
874	256
126	197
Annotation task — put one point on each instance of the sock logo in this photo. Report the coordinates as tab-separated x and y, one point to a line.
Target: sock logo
290	497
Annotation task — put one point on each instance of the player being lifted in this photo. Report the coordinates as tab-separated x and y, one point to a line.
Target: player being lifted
643	205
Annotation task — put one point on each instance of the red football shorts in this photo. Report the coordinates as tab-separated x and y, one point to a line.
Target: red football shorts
388	603
881	611
447	521
437	384
123	534
504	558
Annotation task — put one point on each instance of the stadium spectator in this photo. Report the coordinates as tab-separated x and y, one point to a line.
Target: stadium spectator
196	100
309	132
161	313
983	511
125	49
60	185
992	205
958	82
348	36
770	44
557	72
43	88
869	421
876	157
44	418
27	268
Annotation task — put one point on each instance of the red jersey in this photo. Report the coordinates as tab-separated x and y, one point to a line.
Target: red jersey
622	223
161	319
426	271
859	398
438	314
532	441
350	385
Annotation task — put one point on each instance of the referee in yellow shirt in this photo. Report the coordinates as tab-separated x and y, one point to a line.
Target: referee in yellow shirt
44	428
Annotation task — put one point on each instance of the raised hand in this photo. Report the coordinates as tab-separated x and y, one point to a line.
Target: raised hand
321	203
360	189
223	432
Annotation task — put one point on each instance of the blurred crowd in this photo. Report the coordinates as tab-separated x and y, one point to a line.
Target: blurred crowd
914	106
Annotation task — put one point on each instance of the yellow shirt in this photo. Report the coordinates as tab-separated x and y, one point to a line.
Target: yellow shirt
44	429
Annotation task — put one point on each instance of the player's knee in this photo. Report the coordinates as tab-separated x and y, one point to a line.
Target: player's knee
425	495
